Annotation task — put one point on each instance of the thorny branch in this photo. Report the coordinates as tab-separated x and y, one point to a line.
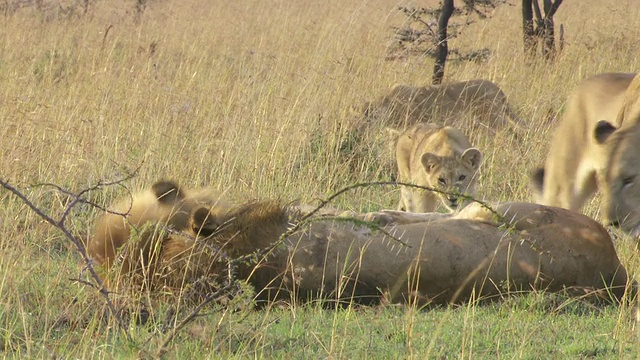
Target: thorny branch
195	312
307	218
79	199
60	224
324	203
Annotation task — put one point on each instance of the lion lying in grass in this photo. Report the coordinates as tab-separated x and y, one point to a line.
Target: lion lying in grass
406	105
410	258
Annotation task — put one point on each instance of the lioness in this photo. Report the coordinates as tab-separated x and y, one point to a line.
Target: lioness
437	157
581	152
474	254
406	105
619	180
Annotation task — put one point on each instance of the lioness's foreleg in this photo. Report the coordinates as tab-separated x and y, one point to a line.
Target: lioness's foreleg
402	206
420	201
393	217
406	199
583	187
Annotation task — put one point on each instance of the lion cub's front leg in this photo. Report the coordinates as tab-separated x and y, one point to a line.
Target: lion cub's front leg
418	200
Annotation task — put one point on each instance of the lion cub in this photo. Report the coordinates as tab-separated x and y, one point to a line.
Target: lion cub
437	157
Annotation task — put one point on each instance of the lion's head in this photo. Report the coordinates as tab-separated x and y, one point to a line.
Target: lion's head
453	175
620	179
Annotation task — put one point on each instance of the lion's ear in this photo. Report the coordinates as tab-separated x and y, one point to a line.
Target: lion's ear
203	223
603	130
473	156
167	192
430	161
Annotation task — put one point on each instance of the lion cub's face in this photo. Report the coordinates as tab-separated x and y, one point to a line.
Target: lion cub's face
455	175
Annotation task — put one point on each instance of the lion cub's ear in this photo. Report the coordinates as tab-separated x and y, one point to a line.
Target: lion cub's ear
430	161
603	130
203	223
473	156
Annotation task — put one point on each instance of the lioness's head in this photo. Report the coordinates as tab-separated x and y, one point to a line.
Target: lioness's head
454	175
620	180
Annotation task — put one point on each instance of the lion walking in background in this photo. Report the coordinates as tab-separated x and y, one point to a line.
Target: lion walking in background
406	105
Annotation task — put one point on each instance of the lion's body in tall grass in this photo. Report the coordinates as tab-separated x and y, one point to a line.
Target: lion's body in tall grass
424	258
445	104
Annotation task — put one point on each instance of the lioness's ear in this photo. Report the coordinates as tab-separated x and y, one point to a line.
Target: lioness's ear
203	223
429	161
603	130
473	156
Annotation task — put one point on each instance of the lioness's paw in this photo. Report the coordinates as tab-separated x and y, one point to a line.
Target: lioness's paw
382	218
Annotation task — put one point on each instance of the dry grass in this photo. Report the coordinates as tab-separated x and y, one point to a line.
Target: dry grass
250	97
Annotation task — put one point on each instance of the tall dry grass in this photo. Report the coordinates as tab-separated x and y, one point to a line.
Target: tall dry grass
249	97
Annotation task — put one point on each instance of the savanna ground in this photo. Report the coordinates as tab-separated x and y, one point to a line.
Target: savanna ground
254	98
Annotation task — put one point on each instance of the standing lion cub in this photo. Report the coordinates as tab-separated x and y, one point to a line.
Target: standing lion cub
437	157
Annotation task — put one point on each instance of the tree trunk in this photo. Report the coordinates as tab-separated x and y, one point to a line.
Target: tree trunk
539	29
549	33
549	42
528	34
442	49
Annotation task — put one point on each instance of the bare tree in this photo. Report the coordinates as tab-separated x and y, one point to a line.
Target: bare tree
428	31
442	48
539	31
